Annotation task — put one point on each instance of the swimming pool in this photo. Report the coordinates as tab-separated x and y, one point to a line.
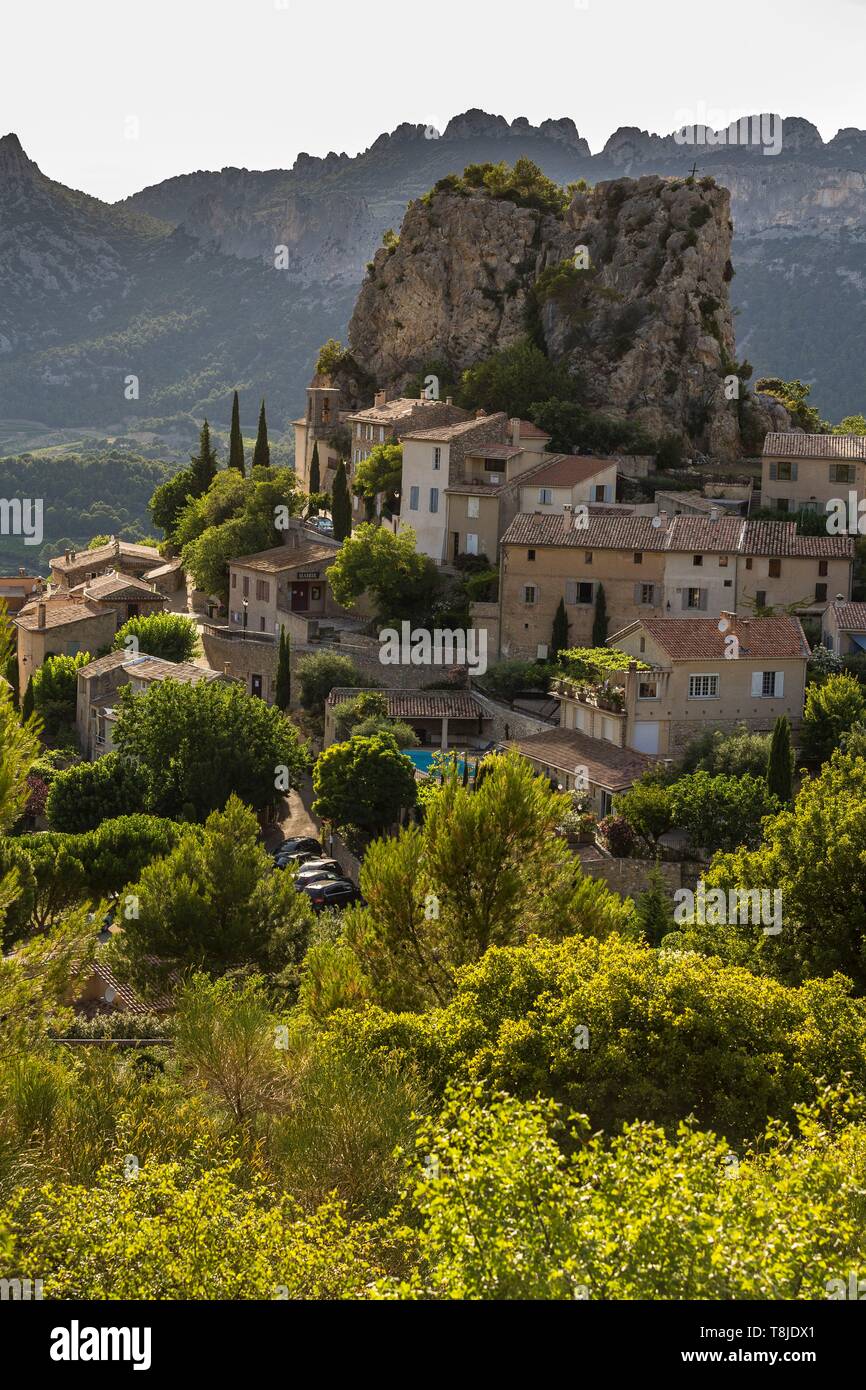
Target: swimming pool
423	758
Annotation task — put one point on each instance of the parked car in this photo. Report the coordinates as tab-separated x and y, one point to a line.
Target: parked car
315	869
337	893
325	525
299	845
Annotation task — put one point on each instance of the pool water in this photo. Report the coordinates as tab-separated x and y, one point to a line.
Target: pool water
423	758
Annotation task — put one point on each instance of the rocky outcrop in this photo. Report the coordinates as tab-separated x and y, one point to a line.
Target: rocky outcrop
629	288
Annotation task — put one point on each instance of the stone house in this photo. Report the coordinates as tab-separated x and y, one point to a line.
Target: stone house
16	590
433	462
806	471
575	761
702	673
76	567
60	624
99	682
127	596
844	628
657	567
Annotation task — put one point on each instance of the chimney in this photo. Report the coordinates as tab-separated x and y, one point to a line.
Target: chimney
714	513
22	571
449	400
40	615
515	432
380	399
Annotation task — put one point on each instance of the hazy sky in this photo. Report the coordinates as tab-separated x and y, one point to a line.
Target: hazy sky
109	96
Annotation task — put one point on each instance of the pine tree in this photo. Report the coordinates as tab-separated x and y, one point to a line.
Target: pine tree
780	762
204	463
653	909
236	440
599	624
27	702
341	507
559	639
262	451
283	684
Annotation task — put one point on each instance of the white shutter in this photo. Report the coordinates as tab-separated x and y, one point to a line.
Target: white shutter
637	592
780	684
772	472
571	591
757	682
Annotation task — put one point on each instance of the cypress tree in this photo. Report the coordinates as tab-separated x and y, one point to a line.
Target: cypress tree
283	687
204	463
315	476
780	762
341	507
262	451
27	702
599	624
236	441
653	909
559	638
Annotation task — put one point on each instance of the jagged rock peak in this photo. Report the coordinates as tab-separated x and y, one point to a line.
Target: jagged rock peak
13	160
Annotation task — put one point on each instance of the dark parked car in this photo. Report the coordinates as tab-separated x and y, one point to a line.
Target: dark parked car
316	869
338	893
305	844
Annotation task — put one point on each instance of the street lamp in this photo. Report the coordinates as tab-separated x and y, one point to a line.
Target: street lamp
246	606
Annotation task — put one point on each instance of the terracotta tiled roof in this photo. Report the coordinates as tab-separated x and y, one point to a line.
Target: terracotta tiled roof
530	431
169	567
448	432
849	447
726	535
696	639
120	550
418	704
109	662
564	470
115	586
614	769
850	617
495	451
60	610
604	532
125	996
155	669
402	408
288	557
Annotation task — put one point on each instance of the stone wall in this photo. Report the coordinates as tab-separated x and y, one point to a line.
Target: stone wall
629	877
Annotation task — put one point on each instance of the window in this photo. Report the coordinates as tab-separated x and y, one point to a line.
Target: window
749	563
263	590
261	624
434	499
381	434
775	569
648	593
786	472
587	556
545	496
437	460
579	591
768	685
761	598
842	473
643	644
413	498
703	687
471	543
359	432
530	554
695	598
648	689
234	581
473	505
820	593
600	492
529	592
781	504
246	587
723	562
638	557
697	560
823	567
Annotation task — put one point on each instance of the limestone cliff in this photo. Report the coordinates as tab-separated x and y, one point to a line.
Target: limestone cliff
628	287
